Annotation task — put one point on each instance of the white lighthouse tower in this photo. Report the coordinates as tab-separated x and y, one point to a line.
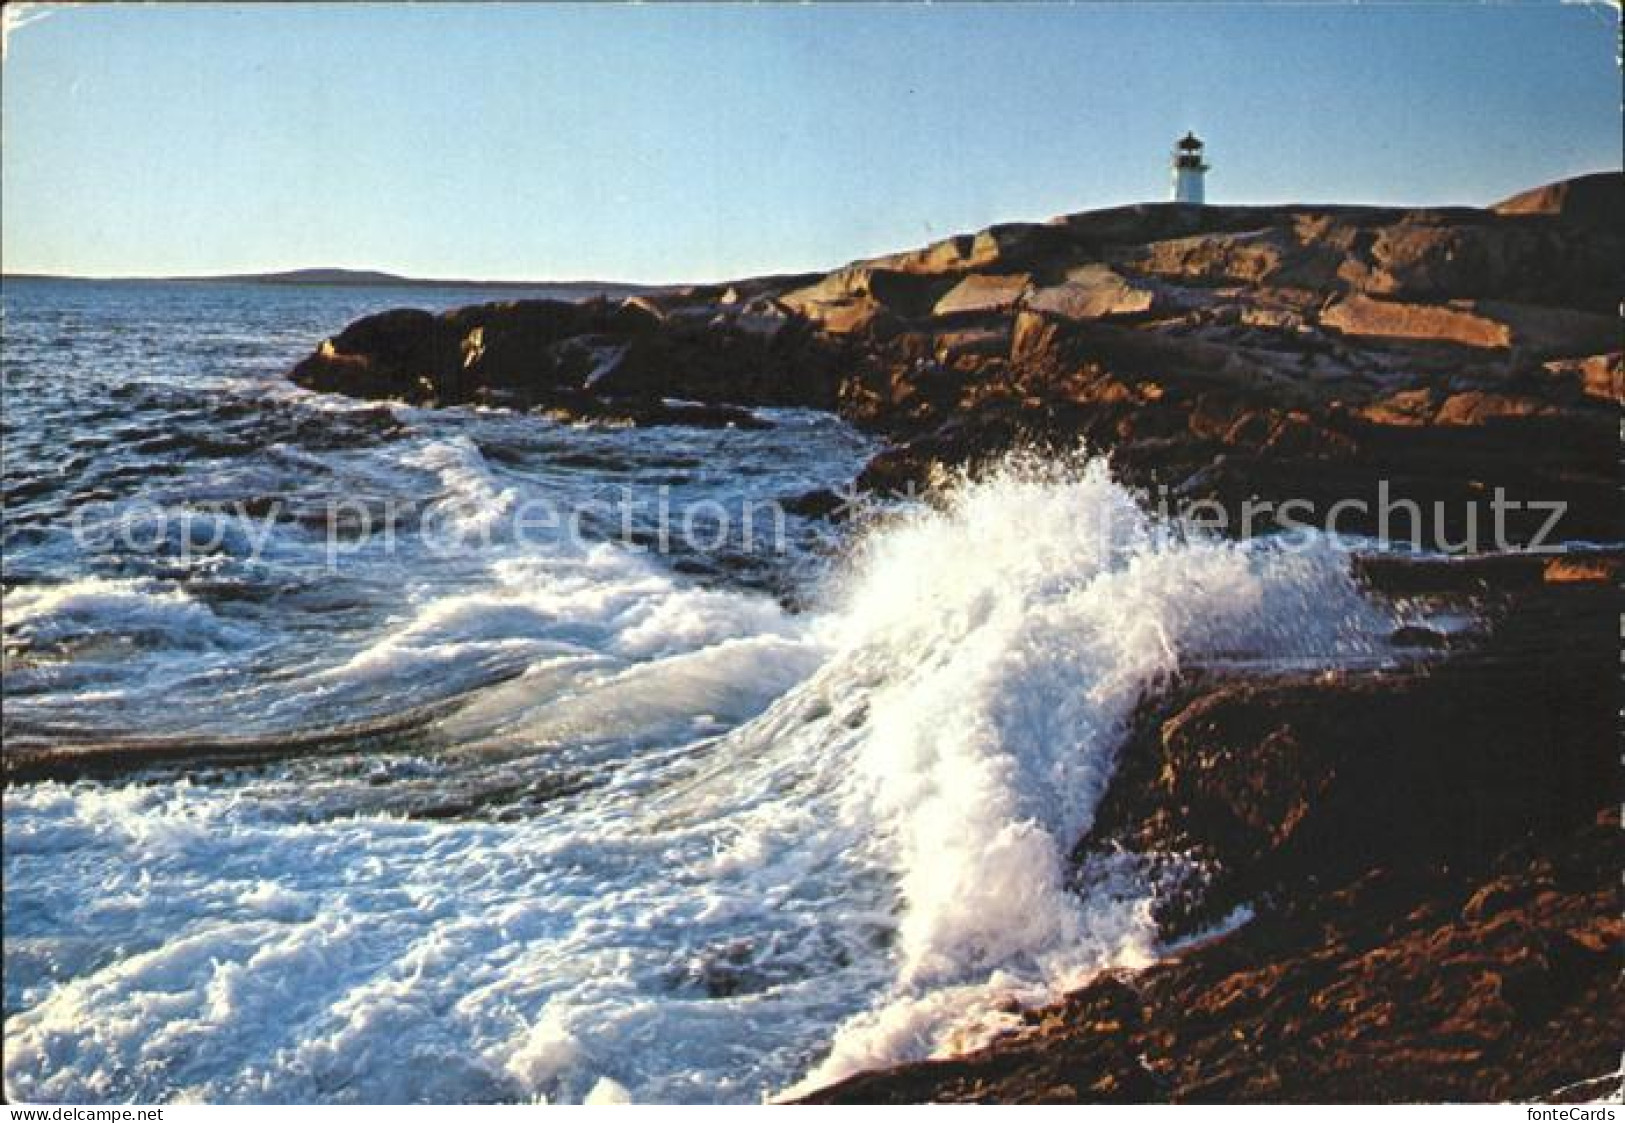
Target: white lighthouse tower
1188	170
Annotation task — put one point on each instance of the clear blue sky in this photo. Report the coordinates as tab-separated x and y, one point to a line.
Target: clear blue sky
649	143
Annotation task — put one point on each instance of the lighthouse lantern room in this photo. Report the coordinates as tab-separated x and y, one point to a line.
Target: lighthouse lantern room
1188	170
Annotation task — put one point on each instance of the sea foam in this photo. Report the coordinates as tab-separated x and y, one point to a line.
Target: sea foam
797	845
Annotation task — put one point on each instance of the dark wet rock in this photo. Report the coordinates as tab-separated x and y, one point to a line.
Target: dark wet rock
1285	782
580	407
820	504
1596	376
1360	315
1499	982
1431	849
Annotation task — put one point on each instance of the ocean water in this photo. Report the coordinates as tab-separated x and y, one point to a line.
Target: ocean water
547	814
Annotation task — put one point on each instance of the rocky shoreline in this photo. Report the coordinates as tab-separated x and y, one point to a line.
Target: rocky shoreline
1219	354
1430	854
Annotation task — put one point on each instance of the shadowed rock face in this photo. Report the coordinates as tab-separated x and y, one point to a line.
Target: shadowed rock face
1220	352
1591	200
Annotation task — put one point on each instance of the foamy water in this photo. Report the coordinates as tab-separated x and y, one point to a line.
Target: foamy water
804	845
667	840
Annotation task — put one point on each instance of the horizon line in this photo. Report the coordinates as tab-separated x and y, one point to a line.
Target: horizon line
388	277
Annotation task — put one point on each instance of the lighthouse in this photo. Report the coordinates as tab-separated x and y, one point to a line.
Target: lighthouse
1188	170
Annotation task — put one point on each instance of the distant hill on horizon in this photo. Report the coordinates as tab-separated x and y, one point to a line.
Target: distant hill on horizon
1592	196
357	278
